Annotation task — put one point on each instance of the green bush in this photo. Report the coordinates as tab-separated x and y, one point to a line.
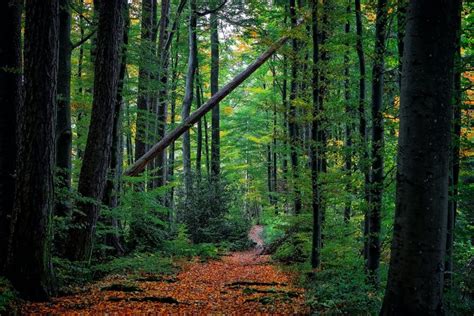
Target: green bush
7	295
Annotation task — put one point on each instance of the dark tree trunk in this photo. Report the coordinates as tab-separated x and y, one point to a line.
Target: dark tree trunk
199	132
188	95
163	55
349	123
415	279
292	115
401	23
63	124
316	241
215	119
113	186
10	98
29	259
144	77
80	64
376	187
93	176
455	156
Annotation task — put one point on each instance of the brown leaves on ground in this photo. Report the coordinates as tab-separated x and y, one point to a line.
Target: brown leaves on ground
243	283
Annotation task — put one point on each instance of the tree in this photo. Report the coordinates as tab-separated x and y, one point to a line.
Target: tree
215	120
93	176
349	124
376	184
10	97
29	259
292	123
143	101
316	191
415	279
63	124
188	94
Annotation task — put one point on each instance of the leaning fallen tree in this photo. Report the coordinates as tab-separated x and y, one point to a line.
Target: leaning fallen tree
141	163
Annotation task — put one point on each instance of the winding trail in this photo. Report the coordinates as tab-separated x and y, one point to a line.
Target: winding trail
243	283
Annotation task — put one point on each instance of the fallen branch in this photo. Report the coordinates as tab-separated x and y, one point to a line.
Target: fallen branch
141	163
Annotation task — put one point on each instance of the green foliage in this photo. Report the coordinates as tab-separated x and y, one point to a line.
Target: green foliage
7	295
207	214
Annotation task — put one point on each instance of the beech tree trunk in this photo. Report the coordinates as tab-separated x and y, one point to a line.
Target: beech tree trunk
29	265
10	98
376	185
415	279
349	124
93	176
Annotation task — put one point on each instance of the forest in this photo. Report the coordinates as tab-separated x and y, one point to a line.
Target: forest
236	157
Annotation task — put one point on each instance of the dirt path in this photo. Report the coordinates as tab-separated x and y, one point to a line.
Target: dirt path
243	283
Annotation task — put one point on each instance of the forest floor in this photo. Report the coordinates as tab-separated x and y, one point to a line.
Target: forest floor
241	283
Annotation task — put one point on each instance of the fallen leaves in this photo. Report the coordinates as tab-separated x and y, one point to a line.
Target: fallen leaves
243	283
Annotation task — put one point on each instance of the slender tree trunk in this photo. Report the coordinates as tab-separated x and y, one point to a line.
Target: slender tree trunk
454	157
364	152
373	259
29	265
415	279
215	119
10	98
163	54
199	132
63	124
316	241
144	77
401	23
349	125
188	95
292	115
93	176
80	63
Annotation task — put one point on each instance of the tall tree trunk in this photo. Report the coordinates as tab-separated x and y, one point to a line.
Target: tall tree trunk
163	55
29	262
188	95
454	157
415	279
316	241
292	117
401	23
373	259
199	132
80	63
10	98
93	176
348	124
364	151
144	77
215	119
112	189
63	124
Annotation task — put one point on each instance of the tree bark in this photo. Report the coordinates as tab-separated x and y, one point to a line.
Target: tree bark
141	163
292	114
316	239
215	119
10	98
348	123
63	124
93	176
188	94
29	265
376	185
415	279
144	77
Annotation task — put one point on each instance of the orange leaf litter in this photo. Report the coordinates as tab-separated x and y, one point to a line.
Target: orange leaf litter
200	289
